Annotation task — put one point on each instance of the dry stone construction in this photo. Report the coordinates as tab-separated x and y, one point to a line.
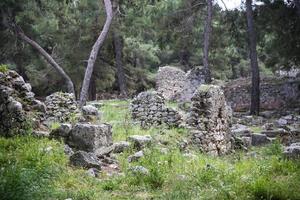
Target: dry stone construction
148	108
175	84
209	120
18	107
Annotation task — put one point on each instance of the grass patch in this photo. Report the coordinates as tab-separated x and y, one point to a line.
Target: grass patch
32	168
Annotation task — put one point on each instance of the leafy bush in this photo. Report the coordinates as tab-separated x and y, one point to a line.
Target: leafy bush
3	68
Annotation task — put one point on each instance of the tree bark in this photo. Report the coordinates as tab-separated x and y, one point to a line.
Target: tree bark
118	46
255	92
297	4
94	53
92	89
207	34
50	60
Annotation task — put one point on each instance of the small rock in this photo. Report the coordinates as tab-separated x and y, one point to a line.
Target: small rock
140	141
85	160
259	139
93	172
40	133
136	156
90	110
14	106
120	147
139	170
292	151
68	150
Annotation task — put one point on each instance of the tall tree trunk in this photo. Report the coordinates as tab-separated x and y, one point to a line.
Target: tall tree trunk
94	53
255	93
207	34
50	60
118	46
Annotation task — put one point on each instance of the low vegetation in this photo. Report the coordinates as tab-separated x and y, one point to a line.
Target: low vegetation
33	168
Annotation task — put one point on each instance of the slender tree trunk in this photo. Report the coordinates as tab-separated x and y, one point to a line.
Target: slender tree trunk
94	53
255	93
92	89
297	4
118	46
50	60
207	34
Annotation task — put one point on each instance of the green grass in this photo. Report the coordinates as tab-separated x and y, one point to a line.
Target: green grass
29	170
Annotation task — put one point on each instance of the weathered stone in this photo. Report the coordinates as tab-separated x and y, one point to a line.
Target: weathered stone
292	151
90	110
209	120
68	150
241	130
93	172
136	156
85	160
140	141
61	132
120	147
89	137
40	133
259	139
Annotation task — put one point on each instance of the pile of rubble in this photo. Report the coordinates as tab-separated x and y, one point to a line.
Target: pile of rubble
18	105
148	108
209	120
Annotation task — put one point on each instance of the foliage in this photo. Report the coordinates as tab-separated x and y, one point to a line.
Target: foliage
3	68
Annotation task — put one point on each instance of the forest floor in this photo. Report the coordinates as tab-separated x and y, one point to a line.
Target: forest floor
32	168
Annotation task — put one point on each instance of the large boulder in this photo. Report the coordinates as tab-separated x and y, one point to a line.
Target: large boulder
209	120
88	137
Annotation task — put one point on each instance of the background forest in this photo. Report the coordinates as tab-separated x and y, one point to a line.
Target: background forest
144	35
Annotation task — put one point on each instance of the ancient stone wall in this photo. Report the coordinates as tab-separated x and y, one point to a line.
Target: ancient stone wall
148	108
170	81
61	107
18	108
276	94
175	84
209	120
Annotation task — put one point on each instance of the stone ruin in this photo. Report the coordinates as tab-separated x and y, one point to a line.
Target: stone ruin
194	78
148	108
275	94
61	107
175	84
170	81
209	120
18	105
